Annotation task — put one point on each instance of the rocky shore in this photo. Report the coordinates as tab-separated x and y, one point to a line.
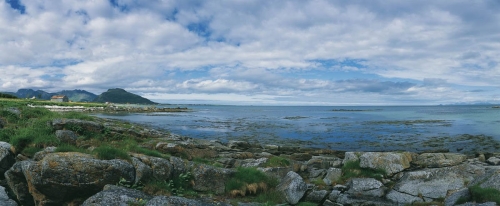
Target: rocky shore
111	109
305	176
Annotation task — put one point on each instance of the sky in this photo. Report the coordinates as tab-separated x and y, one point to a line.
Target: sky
257	52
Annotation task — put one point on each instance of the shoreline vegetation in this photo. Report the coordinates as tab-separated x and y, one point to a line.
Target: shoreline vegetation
44	150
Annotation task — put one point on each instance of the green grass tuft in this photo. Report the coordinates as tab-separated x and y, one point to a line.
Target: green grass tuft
277	162
70	148
481	195
106	152
353	169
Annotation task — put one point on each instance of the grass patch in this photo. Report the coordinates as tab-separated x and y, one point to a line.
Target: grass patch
179	186
277	162
70	148
106	152
481	195
353	169
249	180
30	151
78	115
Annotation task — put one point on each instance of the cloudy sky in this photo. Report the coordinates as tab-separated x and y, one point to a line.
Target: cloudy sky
315	52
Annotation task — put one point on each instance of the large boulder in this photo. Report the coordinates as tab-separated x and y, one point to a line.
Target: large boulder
333	175
317	196
7	159
143	173
391	162
161	169
4	198
434	183
351	157
293	187
439	159
491	179
209	178
367	187
66	178
117	196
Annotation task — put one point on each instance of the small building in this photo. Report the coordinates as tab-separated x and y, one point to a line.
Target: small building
59	98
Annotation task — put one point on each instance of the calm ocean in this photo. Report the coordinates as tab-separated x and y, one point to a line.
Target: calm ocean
370	128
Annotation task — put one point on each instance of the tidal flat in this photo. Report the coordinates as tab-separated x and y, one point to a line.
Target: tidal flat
409	128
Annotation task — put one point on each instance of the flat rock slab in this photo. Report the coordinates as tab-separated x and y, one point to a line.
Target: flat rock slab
391	162
439	159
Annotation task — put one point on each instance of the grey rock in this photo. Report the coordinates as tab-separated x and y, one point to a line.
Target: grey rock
334	195
209	178
227	162
324	162
316	196
254	162
143	173
66	136
493	181
278	172
494	161
351	157
116	196
333	175
292	187
173	200
330	203
179	166
346	199
391	162
76	124
7	158
402	198
478	204
161	168
4	198
41	154
365	187
314	173
439	159
18	184
300	156
453	198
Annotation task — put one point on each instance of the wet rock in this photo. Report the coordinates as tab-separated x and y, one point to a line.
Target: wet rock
493	161
4	198
293	187
439	159
324	162
454	197
391	162
173	200
316	196
368	187
301	156
18	184
209	178
63	178
332	176
116	196
66	136
7	158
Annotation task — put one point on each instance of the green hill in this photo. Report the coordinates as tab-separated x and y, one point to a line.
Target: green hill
121	96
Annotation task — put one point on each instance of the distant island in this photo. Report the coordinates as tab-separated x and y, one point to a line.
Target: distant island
116	95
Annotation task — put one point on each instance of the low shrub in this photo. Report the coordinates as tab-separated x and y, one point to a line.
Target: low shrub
106	152
480	195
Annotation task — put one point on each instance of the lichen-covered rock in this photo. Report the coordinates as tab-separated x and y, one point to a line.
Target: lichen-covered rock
278	172
173	200
68	178
351	156
333	175
391	162
66	136
161	168
4	198
347	199
316	196
209	178
316	173
178	166
402	198
436	183
366	187
240	145
7	158
439	159
292	187
41	154
493	161
490	180
324	162
18	184
143	173
254	162
117	196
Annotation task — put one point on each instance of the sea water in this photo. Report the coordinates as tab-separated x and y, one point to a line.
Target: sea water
368	128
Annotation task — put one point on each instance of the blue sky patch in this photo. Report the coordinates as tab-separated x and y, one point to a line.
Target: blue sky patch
16	4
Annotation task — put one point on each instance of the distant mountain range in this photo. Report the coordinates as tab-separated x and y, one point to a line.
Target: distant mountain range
116	95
